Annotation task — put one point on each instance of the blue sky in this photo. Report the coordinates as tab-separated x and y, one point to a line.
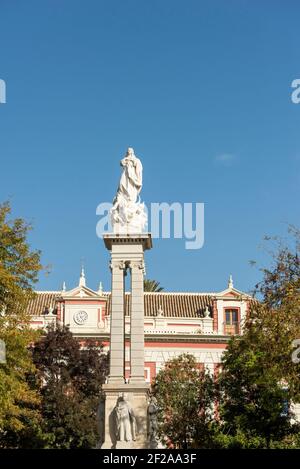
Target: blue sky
200	89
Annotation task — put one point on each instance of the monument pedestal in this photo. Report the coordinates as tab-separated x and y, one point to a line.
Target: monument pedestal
127	253
137	397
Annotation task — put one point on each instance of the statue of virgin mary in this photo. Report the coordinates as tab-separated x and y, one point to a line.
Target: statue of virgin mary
128	213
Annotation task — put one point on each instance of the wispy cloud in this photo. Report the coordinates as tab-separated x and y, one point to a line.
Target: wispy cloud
225	159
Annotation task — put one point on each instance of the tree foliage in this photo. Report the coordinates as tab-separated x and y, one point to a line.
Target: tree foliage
19	265
70	378
185	397
259	380
152	286
19	268
253	400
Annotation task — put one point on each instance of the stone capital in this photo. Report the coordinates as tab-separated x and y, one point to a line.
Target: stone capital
117	264
139	264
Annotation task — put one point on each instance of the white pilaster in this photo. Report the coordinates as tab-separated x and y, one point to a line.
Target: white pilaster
117	345
137	322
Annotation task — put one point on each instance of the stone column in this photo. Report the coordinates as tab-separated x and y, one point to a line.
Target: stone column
137	322
117	345
127	251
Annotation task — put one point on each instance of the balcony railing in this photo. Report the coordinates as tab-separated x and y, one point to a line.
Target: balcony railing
232	329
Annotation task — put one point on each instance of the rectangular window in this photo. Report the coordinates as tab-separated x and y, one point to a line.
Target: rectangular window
231	321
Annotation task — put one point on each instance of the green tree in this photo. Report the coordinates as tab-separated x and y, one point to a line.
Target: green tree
252	398
185	397
152	286
259	380
70	378
19	268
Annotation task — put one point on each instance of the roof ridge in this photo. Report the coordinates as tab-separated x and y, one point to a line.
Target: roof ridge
170	293
47	291
180	293
40	292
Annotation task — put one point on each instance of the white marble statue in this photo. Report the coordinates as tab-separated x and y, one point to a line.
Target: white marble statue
125	421
128	213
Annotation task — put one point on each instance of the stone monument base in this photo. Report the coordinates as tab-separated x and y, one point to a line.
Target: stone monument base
136	395
126	445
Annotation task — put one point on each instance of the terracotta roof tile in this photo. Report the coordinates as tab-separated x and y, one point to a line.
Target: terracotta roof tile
188	305
42	301
173	305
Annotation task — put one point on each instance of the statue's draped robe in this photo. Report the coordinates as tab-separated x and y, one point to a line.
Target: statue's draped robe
131	179
125	422
128	214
